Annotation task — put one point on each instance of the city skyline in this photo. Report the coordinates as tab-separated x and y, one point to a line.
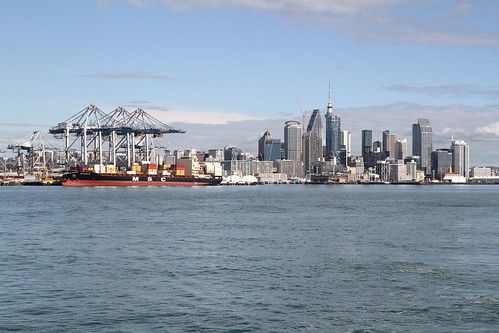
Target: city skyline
227	71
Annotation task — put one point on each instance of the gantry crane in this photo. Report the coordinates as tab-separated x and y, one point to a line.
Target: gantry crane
34	151
119	138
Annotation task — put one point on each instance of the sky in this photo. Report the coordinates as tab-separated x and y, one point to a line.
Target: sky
227	71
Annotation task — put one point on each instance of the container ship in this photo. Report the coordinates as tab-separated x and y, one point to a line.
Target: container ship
137	175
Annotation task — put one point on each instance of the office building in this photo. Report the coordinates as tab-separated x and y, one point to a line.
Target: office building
389	140
313	143
401	149
261	144
346	142
367	143
269	149
422	143
292	141
460	158
441	163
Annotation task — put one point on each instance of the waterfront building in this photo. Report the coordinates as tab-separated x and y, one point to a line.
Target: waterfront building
441	163
313	143
333	130
422	143
357	165
292	141
412	170
460	158
289	167
236	167
399	172
481	172
259	167
383	170
389	140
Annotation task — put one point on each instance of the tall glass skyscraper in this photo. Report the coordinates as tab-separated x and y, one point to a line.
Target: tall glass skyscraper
333	130
292	141
269	149
261	144
441	162
367	144
422	143
313	142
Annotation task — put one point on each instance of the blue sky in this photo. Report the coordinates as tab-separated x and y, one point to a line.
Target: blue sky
227	71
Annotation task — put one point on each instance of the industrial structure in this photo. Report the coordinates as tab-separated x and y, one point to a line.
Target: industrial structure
33	153
119	138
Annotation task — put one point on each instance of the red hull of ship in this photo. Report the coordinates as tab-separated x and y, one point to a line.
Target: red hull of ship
85	183
93	179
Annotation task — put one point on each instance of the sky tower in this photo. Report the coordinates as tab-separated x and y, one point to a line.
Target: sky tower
333	129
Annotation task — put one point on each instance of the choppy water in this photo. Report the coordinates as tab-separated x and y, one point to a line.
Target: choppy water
275	258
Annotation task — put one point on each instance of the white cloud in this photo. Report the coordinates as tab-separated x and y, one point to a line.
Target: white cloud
491	130
408	22
209	117
456	90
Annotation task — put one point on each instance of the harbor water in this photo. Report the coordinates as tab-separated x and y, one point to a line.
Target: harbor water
273	258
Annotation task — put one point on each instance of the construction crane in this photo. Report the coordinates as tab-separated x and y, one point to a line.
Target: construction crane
303	133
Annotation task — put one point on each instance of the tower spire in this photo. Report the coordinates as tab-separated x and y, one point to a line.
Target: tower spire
329	105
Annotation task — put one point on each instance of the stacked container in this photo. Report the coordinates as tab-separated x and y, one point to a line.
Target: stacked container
152	169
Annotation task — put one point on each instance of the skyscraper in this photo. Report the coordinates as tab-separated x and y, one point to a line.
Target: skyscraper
460	157
346	142
389	140
313	142
261	144
441	162
333	129
401	149
269	149
367	143
272	150
422	143
292	141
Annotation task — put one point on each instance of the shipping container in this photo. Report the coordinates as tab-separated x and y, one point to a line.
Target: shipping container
99	168
110	169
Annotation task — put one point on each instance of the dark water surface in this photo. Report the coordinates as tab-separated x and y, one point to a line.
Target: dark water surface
275	258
